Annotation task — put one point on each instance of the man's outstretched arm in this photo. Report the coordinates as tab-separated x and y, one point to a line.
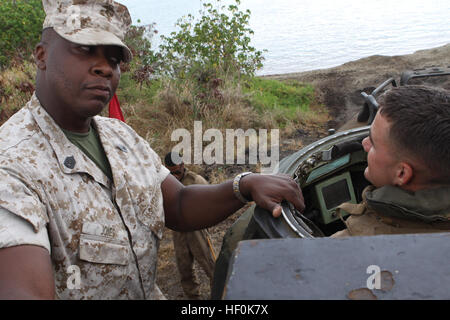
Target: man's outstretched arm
199	206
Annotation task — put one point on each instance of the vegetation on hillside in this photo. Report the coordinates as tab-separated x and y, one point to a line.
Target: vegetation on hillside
21	25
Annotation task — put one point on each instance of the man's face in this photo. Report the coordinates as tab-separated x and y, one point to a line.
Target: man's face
381	154
82	79
177	171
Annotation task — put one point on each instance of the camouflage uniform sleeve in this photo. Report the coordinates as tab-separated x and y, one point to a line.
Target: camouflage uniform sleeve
19	196
15	231
161	170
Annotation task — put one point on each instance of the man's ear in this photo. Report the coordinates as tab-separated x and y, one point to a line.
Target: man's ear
40	56
403	174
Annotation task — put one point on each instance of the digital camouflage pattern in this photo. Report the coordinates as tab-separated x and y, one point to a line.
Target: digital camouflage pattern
15	230
89	22
110	231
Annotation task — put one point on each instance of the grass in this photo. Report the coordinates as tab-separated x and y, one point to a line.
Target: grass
133	92
276	95
164	106
292	104
16	88
158	107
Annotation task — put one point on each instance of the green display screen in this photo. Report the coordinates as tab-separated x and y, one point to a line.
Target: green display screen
331	192
336	193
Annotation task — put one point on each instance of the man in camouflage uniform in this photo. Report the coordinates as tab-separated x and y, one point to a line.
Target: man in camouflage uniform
190	245
84	199
408	155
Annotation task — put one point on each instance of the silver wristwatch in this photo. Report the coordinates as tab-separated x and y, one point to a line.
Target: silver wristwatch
236	190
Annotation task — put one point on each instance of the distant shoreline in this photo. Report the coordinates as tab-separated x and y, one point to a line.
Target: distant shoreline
339	88
361	60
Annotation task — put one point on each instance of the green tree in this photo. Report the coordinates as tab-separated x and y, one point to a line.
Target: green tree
145	61
21	23
218	43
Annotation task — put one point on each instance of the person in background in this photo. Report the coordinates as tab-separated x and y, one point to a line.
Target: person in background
194	245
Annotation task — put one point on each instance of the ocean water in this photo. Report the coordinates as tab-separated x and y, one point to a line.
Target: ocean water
303	35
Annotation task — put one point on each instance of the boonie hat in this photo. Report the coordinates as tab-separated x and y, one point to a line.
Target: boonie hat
89	22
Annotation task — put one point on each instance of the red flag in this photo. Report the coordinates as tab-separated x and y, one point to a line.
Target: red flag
114	109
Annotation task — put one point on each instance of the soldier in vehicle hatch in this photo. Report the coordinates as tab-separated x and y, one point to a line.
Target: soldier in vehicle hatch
408	156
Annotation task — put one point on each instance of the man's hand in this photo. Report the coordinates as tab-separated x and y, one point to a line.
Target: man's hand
201	206
268	191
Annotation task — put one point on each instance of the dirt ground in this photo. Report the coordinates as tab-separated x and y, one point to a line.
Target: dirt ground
339	89
168	278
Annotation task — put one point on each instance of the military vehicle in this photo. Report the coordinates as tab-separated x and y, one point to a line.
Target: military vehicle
329	171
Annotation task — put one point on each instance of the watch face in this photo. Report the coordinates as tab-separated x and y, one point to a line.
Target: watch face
236	190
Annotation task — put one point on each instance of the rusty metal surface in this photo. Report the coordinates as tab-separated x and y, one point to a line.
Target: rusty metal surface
414	266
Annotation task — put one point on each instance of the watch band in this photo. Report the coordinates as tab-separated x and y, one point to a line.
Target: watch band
236	189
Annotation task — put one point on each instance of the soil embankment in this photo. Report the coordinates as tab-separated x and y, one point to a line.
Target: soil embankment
339	89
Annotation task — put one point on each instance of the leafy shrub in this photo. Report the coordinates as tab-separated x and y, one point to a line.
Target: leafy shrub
145	61
216	44
21	23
